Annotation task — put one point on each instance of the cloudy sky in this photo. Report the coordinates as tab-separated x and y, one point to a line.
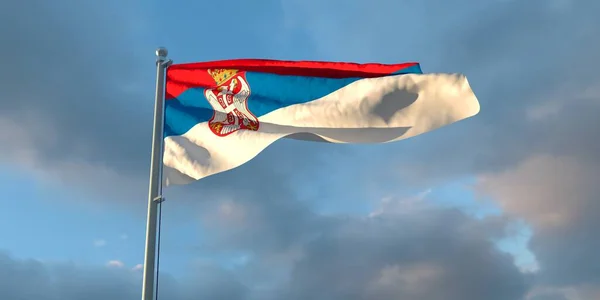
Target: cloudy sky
502	206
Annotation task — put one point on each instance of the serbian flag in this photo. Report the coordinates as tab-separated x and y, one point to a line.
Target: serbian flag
221	114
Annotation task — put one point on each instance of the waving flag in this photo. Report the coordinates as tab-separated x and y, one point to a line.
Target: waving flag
219	115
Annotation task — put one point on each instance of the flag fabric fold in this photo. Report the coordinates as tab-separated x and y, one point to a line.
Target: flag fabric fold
221	114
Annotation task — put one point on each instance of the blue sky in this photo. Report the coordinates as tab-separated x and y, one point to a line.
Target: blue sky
332	221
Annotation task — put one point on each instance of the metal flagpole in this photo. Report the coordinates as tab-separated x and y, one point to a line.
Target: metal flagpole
155	190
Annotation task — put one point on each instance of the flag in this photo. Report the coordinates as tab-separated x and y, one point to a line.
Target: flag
221	114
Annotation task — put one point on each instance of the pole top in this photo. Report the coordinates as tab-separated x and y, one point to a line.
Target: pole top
161	53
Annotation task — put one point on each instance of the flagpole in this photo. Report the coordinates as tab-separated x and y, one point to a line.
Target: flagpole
155	189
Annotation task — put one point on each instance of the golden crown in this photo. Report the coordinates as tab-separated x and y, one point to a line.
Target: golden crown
221	75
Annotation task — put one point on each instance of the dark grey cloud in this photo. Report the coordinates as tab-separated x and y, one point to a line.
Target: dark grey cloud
410	251
406	249
550	297
31	279
426	255
70	98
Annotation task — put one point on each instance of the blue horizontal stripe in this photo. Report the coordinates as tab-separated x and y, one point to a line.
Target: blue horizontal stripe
268	92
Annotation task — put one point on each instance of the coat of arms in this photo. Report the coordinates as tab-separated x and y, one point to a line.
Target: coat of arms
229	100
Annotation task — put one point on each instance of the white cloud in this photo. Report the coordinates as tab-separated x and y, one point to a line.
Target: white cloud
393	205
115	264
137	267
99	243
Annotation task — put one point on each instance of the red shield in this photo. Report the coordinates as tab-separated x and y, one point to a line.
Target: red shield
230	104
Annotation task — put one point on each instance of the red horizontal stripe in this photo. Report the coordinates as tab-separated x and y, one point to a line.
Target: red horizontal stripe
181	77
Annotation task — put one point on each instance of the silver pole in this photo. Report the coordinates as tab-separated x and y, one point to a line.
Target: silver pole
155	189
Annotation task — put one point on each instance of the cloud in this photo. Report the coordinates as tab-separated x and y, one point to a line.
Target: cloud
408	249
582	292
540	156
99	243
31	279
138	267
67	102
558	197
115	264
536	147
429	252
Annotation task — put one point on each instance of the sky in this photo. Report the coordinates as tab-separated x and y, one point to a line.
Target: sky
502	206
